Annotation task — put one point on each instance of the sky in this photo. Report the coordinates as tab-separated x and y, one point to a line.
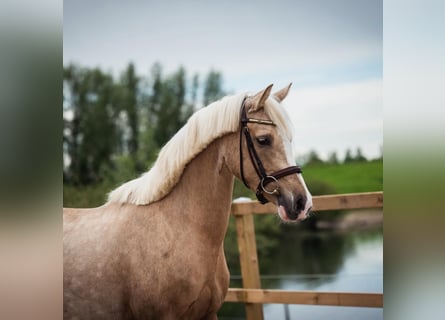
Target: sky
330	50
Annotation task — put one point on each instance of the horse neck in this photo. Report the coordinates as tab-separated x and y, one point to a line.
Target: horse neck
203	196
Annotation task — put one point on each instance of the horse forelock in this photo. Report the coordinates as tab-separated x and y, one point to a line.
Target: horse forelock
203	127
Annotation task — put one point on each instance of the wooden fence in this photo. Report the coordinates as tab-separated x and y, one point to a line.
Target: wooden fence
253	296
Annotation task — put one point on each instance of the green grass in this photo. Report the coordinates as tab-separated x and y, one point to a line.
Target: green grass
344	178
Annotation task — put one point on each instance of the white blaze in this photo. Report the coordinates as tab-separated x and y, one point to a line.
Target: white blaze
291	162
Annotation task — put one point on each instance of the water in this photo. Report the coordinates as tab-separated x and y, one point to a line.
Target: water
348	261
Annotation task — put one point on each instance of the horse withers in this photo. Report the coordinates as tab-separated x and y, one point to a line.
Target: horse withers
154	250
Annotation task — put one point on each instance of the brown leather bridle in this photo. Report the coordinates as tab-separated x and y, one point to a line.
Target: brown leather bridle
265	178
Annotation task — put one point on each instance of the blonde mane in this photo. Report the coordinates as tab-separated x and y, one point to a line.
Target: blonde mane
204	126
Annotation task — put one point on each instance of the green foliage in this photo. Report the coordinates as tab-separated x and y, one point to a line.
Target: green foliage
116	127
213	87
348	156
127	95
359	156
333	159
313	158
171	111
93	195
90	136
86	196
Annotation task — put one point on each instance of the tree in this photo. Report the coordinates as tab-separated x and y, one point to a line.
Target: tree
151	91
193	95
109	124
359	156
348	156
213	87
194	91
333	159
313	158
90	134
129	104
169	115
73	101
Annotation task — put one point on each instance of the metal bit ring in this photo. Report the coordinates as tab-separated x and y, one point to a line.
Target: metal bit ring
274	191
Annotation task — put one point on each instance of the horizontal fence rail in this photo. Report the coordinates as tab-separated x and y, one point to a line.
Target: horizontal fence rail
320	203
253	296
346	299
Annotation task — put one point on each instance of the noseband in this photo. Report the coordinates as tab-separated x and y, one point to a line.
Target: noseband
265	178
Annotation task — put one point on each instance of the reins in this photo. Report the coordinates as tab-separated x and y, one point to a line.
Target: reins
265	178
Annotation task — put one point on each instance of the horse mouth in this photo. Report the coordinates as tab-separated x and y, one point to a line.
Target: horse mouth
289	217
289	214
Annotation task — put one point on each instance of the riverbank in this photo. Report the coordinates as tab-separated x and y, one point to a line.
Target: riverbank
356	219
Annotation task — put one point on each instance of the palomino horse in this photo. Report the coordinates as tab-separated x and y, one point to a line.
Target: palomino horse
155	249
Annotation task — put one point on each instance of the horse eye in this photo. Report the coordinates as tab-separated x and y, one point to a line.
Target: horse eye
264	140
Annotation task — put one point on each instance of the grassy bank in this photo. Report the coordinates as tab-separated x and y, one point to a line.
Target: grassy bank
344	178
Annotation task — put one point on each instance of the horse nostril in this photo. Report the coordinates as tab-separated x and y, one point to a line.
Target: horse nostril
301	203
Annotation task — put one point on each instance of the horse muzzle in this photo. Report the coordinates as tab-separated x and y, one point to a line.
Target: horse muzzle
294	208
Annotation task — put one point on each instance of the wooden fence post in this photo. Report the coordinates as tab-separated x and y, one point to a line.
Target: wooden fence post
250	273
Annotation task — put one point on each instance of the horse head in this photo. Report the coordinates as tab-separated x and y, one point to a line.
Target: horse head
266	163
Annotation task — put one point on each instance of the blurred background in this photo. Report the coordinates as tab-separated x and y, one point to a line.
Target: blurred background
133	74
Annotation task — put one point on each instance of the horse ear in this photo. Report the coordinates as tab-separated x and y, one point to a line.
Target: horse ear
281	94
260	98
